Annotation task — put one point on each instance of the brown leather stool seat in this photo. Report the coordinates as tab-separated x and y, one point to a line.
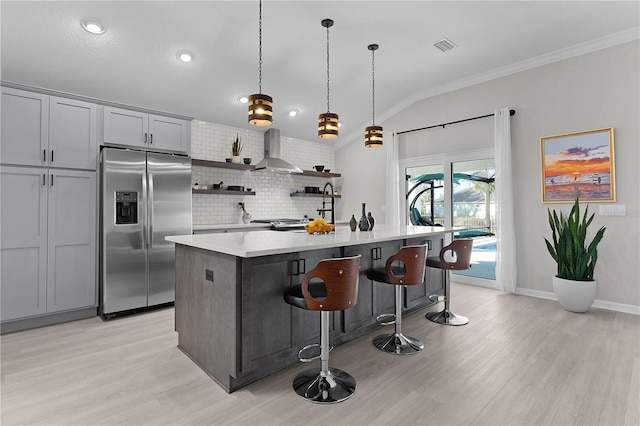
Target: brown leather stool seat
338	290
404	268
459	260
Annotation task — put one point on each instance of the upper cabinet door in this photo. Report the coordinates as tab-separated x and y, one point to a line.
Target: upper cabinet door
72	134
168	133
25	128
125	127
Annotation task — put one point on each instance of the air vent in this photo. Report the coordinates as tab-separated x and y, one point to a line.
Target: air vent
444	45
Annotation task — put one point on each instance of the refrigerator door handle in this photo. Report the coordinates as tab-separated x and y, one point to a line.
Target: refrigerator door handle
150	207
144	212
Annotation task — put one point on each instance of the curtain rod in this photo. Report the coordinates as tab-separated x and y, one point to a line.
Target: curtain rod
512	112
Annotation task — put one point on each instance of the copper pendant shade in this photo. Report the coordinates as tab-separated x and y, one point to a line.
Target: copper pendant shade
373	133
260	106
328	121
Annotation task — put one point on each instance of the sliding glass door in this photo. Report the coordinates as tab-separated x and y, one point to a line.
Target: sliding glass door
456	190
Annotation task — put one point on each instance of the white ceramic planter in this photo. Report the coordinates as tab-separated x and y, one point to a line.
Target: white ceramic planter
235	159
575	296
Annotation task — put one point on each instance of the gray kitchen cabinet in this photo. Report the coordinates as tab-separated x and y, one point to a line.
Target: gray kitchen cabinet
289	328
373	298
48	131
72	134
418	295
25	127
139	129
47	250
71	248
23	246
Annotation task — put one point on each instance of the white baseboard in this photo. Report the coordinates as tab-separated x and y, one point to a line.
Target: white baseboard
601	304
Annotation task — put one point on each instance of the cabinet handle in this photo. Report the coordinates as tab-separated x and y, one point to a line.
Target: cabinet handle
374	253
145	138
304	266
151	138
44	178
52	156
51	179
297	267
44	155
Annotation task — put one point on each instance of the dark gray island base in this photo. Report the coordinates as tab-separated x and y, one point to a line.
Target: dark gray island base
234	323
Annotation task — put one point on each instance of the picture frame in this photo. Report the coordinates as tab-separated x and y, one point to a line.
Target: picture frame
579	164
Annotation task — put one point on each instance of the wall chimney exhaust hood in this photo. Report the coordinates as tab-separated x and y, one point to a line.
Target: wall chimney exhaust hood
272	160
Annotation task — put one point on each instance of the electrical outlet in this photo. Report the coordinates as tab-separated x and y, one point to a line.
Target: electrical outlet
208	275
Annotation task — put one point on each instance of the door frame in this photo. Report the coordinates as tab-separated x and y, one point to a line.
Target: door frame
444	160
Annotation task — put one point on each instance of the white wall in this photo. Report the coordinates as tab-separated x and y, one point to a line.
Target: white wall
211	141
594	90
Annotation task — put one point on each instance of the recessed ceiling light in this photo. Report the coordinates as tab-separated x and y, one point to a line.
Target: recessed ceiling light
293	112
186	56
242	99
93	26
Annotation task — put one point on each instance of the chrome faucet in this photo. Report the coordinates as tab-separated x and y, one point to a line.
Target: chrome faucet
324	205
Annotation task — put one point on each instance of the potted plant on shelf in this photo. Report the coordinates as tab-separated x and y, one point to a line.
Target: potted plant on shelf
236	149
576	259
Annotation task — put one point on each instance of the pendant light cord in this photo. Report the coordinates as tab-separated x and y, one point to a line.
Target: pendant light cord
260	48
373	86
328	109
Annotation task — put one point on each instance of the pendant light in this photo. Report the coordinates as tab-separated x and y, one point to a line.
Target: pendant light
260	105
373	133
327	122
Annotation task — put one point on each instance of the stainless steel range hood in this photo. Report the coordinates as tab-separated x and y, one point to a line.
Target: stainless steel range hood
272	160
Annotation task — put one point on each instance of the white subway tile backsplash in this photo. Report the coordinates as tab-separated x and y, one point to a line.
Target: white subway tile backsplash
211	141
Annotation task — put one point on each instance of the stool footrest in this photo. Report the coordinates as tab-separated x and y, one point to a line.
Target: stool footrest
312	358
436	298
386	319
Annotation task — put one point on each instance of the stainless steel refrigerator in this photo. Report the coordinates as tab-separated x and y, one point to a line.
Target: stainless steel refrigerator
145	196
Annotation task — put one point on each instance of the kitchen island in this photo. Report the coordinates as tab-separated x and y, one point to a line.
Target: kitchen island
230	315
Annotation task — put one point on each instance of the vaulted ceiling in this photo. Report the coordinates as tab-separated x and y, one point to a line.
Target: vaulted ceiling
134	62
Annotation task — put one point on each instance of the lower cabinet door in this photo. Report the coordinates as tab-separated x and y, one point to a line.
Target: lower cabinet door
72	240
23	246
364	313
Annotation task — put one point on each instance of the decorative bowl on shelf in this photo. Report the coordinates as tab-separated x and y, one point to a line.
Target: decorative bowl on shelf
319	168
246	160
228	160
327	170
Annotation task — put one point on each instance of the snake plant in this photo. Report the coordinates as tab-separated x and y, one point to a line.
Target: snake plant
575	259
236	146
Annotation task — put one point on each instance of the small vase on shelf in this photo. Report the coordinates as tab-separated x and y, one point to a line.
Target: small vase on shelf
235	159
371	221
353	223
363	225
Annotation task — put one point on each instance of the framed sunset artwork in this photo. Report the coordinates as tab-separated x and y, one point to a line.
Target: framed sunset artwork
578	165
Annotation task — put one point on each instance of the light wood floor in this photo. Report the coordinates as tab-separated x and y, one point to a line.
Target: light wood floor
520	360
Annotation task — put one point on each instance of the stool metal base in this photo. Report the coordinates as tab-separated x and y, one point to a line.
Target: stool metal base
446	317
398	344
324	388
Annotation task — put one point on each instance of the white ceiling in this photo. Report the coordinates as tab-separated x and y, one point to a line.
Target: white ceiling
135	63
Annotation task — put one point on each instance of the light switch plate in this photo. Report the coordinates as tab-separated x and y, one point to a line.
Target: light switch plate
613	210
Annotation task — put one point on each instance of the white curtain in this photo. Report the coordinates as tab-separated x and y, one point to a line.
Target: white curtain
393	179
506	270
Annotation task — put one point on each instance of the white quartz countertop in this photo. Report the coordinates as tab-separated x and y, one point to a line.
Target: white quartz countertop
264	243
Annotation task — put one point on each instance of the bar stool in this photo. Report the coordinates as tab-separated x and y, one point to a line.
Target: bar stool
337	291
410	272
461	253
